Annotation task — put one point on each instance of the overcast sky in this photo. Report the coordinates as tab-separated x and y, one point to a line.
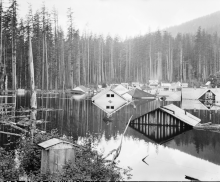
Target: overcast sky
125	17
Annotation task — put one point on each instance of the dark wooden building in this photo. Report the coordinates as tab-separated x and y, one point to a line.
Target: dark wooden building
164	123
55	154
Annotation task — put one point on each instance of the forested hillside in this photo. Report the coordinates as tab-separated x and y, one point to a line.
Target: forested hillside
210	23
63	61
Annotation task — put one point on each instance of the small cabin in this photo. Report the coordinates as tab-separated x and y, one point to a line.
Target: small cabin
169	115
80	90
184	85
55	154
166	86
153	83
207	95
135	84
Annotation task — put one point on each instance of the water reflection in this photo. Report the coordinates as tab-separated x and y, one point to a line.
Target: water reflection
193	153
158	134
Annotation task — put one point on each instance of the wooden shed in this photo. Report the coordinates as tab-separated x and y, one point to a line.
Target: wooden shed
207	95
169	115
55	154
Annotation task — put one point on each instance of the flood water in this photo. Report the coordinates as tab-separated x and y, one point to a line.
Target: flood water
174	154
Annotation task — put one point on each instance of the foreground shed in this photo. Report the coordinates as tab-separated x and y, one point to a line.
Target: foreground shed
55	154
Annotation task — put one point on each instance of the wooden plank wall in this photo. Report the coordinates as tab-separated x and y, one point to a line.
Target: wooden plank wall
159	117
159	126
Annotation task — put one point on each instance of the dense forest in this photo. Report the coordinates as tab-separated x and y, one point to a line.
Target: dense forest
81	58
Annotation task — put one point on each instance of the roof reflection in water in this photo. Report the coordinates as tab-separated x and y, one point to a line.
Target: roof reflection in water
158	133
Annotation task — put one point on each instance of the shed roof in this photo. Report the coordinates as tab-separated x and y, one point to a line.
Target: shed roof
181	114
106	90
120	89
137	93
54	141
196	93
81	88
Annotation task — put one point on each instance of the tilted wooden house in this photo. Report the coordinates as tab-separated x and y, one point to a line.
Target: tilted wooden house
169	115
164	123
55	154
207	95
109	101
201	94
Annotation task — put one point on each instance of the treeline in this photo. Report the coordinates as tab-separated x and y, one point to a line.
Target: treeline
64	61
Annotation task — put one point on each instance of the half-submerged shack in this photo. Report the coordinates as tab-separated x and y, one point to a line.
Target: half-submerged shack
164	123
201	94
55	154
169	115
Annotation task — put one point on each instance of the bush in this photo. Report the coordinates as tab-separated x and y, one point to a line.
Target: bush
8	170
30	152
89	164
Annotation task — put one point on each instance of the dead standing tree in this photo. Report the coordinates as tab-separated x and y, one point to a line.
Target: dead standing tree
33	100
118	150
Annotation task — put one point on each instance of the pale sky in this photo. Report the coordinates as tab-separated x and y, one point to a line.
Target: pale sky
125	17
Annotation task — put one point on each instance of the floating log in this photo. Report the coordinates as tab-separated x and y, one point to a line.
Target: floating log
8	133
13	125
208	126
23	116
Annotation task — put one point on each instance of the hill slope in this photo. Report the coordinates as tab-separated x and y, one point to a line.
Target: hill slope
211	23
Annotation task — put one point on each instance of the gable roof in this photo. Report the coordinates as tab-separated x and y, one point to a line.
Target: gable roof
104	92
120	89
54	141
81	88
137	93
181	114
196	93
207	90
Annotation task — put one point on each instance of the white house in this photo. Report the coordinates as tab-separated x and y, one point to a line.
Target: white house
109	101
135	84
165	86
184	85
